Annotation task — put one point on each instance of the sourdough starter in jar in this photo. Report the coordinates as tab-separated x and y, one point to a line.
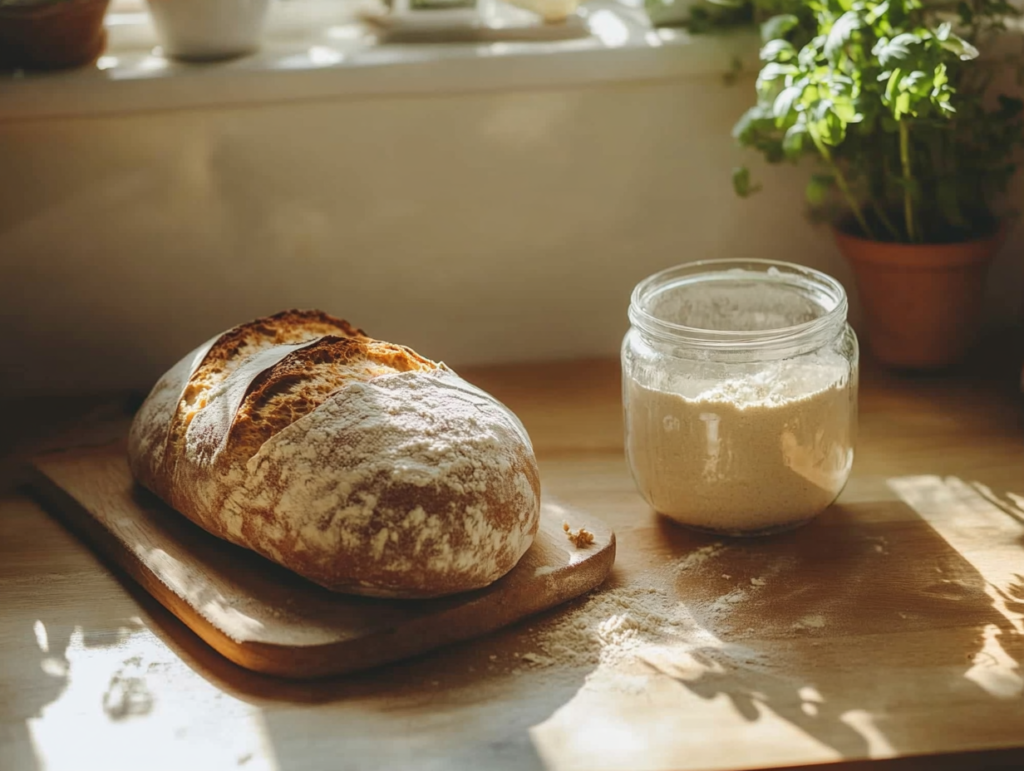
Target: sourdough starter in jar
740	394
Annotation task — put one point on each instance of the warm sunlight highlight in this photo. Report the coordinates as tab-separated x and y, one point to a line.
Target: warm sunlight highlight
972	518
132	701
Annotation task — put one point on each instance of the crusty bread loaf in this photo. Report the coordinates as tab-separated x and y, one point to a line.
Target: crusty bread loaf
354	462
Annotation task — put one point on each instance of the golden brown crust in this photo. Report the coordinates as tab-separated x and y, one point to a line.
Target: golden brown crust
305	378
234	347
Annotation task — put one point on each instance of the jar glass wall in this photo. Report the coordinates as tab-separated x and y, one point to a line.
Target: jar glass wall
740	394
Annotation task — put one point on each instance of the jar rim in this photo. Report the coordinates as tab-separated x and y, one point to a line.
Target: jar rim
814	284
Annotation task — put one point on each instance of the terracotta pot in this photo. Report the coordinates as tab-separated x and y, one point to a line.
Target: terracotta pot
52	35
922	303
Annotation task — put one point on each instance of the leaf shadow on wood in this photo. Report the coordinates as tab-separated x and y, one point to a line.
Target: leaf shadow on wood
806	622
51	636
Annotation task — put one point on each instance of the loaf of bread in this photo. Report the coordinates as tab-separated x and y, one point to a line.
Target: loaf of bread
353	462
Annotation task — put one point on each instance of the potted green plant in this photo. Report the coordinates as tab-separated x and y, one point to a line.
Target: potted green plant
51	34
915	149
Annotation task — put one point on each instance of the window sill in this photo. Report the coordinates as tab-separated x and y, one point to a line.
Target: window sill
327	52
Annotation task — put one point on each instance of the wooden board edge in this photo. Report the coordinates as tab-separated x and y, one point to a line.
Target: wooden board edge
462	622
122	562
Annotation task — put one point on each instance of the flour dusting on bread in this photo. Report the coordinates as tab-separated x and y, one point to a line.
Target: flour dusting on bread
356	463
406	467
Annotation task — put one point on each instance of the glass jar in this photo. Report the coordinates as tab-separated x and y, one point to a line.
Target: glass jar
739	387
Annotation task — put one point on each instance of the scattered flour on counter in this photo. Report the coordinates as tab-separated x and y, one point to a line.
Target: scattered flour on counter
810	622
614	625
698	557
618	629
724	604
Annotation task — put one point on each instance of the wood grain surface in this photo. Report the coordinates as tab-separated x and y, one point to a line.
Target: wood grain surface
890	628
267	619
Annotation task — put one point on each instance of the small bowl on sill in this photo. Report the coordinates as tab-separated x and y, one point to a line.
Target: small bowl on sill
208	30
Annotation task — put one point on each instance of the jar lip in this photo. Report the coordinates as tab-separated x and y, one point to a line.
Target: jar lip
782	273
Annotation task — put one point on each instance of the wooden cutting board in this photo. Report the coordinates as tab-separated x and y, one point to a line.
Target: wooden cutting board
268	619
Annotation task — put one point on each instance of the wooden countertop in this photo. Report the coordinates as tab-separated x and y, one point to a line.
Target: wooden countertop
921	565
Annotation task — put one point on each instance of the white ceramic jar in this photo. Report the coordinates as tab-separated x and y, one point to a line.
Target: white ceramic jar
740	394
208	29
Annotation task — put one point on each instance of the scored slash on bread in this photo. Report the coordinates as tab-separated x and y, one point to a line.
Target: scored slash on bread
228	351
354	462
306	377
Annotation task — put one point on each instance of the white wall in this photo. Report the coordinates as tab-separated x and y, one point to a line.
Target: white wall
475	227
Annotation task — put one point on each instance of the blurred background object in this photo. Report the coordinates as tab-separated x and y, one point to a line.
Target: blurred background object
484	202
51	34
204	30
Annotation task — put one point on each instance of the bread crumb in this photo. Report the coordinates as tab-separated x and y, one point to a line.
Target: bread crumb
580	538
757	582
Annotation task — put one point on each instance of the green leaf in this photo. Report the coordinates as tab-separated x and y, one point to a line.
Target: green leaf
793	142
741	182
808	56
777	26
785	101
877	13
841	33
902	105
842	85
891	86
748	123
963	50
827	126
917	83
778	51
895	51
818	188
773	71
821	109
845	109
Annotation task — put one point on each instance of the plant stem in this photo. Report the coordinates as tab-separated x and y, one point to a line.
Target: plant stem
845	188
884	218
908	179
